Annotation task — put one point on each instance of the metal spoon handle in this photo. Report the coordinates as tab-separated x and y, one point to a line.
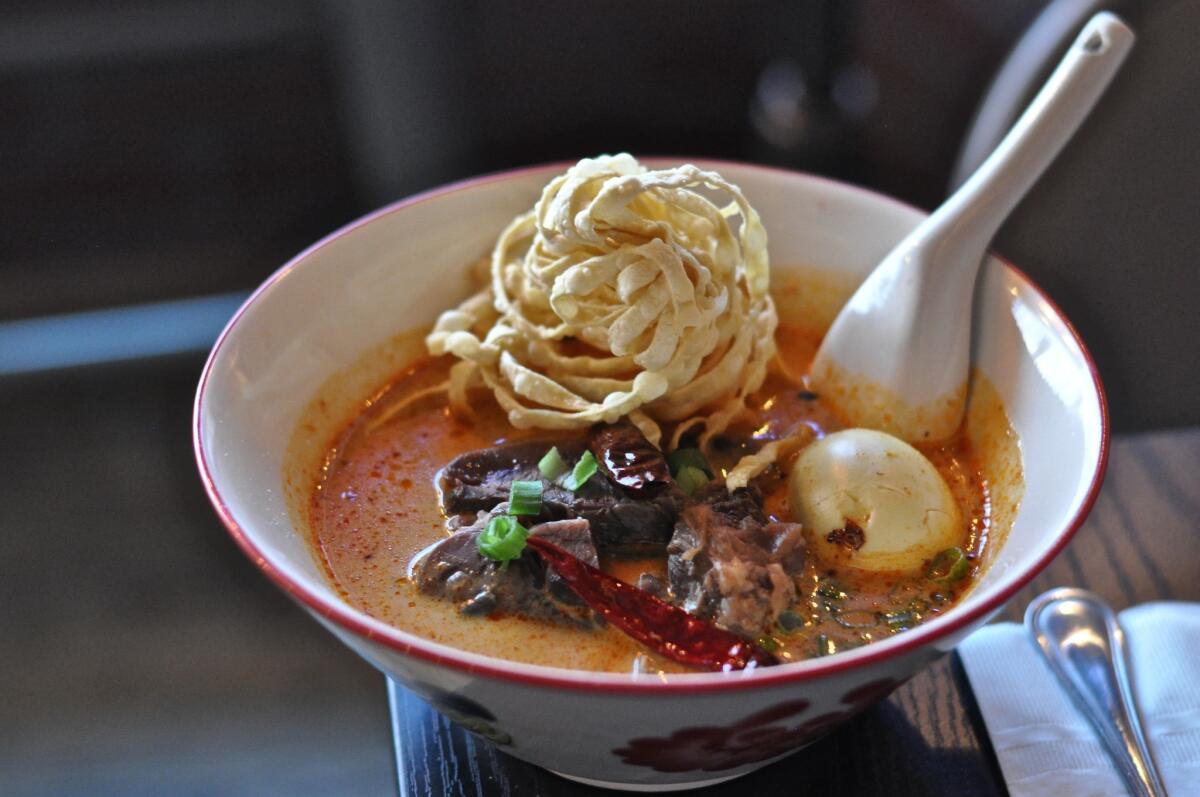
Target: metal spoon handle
1084	645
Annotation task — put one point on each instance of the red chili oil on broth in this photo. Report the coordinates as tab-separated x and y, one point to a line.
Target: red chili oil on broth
377	507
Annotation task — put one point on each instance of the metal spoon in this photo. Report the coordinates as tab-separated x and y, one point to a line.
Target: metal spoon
896	356
1081	640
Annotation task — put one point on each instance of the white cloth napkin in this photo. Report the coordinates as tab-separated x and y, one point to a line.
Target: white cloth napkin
1045	745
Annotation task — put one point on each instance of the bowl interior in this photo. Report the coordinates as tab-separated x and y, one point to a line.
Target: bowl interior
399	267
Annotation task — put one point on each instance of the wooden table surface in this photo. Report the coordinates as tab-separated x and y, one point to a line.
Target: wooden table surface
1141	543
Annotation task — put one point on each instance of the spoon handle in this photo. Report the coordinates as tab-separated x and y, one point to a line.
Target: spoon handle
1080	638
972	215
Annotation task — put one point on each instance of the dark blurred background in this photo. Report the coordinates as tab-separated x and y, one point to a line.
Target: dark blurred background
162	157
157	150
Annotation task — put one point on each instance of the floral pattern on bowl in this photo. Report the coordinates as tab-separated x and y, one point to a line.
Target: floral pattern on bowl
758	737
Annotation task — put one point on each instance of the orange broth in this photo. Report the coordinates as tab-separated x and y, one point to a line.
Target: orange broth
376	506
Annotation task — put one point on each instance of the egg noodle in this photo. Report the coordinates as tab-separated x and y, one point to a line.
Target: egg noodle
625	292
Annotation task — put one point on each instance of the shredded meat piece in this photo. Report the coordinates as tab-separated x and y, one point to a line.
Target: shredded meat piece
727	563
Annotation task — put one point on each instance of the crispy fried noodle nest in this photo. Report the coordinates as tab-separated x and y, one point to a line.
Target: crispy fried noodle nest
625	292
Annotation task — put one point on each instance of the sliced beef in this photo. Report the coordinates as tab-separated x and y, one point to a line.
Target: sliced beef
620	522
627	526
479	480
727	563
454	569
574	537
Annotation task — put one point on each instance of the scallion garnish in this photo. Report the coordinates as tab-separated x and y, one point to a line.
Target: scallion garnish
825	646
552	466
525	498
949	566
682	458
690	479
503	539
829	589
585	469
768	643
856	619
789	621
900	621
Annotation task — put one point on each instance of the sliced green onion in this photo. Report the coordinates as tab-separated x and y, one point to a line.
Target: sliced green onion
825	646
789	621
768	643
900	621
830	590
552	466
585	469
682	458
503	539
690	479
856	619
525	498
949	566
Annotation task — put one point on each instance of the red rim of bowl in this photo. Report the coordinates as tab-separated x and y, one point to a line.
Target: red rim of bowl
343	614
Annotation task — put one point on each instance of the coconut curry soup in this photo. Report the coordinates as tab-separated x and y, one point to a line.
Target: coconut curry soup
610	458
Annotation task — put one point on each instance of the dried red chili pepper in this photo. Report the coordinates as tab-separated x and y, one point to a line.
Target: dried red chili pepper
667	629
630	459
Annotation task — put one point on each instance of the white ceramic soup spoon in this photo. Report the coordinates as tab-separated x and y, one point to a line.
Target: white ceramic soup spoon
897	354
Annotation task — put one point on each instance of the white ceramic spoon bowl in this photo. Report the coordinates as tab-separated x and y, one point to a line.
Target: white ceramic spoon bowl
896	357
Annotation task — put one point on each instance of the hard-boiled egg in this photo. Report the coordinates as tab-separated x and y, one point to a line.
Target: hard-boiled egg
871	501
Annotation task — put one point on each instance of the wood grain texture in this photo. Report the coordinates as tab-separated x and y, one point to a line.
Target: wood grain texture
1141	543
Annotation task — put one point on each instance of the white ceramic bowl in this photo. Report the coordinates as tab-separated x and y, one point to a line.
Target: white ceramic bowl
398	267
